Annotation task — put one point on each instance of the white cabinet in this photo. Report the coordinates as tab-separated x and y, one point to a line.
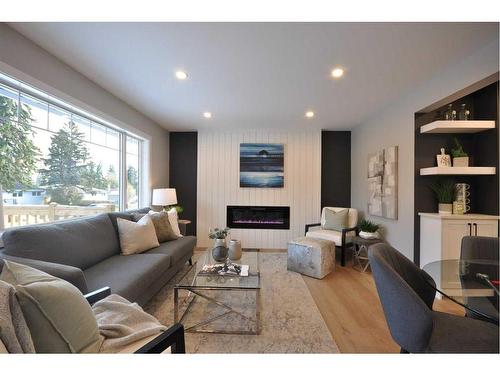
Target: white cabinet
441	235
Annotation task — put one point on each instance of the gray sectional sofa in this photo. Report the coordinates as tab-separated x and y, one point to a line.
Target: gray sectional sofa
86	252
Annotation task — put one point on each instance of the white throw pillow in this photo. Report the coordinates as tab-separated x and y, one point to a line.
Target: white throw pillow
137	237
174	221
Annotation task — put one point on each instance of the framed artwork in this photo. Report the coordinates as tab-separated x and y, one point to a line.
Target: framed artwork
383	183
262	165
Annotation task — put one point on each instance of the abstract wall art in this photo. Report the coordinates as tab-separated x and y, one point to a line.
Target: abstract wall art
383	183
262	165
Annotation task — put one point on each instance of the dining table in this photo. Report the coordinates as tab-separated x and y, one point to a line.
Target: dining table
472	284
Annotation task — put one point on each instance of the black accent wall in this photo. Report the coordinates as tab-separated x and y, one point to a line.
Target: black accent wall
183	173
336	168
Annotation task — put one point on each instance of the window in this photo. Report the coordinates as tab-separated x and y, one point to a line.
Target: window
71	158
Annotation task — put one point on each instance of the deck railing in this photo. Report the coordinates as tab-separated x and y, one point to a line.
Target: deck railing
23	214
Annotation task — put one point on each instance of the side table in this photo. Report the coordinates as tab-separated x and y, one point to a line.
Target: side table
360	259
182	225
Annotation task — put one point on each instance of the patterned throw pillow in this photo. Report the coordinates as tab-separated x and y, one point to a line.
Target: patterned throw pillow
161	222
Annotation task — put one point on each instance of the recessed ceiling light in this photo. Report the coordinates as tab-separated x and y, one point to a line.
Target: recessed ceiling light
207	114
337	72
181	75
309	114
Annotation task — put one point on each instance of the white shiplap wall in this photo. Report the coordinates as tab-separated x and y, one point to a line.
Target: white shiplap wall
218	184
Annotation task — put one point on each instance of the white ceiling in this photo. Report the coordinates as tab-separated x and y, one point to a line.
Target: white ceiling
258	75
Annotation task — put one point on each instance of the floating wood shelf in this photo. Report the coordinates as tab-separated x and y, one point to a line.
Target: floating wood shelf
457	171
446	126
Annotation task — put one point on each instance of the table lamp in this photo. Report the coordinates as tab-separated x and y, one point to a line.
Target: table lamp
164	197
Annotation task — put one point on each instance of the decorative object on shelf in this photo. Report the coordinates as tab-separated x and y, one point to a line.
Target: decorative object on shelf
235	249
443	160
462	194
460	157
368	230
262	165
445	193
458	208
383	183
165	197
450	114
464	113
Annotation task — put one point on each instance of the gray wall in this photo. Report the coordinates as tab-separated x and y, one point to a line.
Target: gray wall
395	126
26	61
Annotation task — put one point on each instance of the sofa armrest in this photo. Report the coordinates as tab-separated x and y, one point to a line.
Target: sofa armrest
71	274
97	295
172	337
311	226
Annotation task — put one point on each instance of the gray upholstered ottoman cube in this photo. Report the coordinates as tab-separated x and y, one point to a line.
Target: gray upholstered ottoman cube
310	256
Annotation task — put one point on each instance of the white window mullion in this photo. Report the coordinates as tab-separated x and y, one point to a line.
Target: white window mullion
123	171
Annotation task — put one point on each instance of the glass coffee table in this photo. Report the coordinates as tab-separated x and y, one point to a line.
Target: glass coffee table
236	299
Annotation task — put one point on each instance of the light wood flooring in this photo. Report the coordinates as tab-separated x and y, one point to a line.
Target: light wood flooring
350	306
348	301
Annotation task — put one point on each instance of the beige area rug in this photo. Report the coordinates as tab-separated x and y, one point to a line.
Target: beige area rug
290	321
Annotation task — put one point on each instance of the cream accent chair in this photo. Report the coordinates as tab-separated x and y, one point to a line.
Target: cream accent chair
341	239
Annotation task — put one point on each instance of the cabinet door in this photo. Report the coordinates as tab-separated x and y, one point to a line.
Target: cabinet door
453	232
486	228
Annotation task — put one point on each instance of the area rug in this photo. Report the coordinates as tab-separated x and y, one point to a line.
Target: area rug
290	320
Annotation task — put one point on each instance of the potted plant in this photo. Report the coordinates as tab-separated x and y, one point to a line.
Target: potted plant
219	251
460	157
368	229
445	192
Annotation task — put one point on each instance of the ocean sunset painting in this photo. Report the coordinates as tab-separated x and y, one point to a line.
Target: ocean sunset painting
261	165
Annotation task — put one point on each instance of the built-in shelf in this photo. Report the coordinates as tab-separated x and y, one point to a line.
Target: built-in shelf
457	171
447	126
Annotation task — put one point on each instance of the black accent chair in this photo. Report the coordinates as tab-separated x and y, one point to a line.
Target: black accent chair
407	297
172	338
477	247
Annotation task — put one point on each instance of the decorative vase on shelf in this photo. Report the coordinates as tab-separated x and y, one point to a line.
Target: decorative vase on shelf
445	208
234	249
369	235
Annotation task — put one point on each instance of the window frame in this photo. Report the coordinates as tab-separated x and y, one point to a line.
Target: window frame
21	88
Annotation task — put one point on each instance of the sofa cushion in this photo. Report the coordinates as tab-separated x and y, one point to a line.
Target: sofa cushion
330	235
57	314
80	242
137	237
177	249
161	221
128	275
335	220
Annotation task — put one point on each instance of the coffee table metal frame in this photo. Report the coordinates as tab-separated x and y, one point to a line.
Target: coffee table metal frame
195	291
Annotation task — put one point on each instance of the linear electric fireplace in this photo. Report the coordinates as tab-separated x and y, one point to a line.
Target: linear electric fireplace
258	217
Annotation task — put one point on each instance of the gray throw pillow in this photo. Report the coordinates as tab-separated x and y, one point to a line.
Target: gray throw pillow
57	314
335	220
163	229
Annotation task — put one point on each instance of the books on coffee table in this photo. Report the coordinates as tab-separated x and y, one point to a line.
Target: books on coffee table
224	270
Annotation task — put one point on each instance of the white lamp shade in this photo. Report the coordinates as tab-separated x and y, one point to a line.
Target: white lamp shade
164	197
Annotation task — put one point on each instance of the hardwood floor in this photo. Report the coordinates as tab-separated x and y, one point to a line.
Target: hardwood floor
348	301
349	304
